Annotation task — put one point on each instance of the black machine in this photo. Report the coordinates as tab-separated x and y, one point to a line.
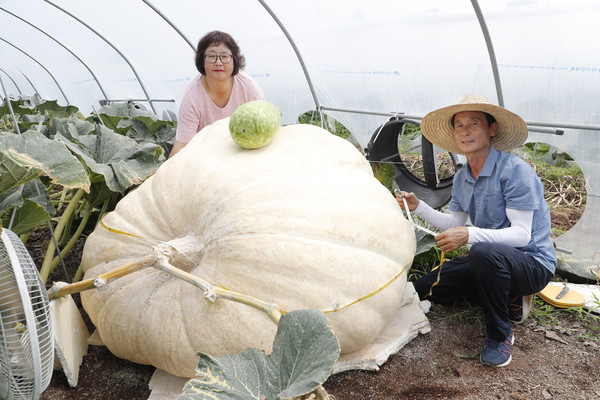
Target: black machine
383	147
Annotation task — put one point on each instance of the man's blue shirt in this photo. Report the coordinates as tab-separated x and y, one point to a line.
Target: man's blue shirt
506	181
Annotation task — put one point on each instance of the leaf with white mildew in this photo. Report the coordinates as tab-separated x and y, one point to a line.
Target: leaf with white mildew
304	353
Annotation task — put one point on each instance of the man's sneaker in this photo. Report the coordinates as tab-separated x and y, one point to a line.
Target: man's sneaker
496	354
519	308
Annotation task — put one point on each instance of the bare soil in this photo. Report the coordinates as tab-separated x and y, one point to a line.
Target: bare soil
549	362
557	359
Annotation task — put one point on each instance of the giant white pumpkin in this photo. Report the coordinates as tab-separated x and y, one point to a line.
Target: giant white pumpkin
301	223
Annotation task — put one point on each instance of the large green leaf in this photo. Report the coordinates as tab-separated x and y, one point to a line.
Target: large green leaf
26	218
119	113
21	105
35	122
424	242
71	128
35	118
10	199
37	192
52	107
16	168
117	159
26	207
304	353
58	162
144	131
113	114
99	193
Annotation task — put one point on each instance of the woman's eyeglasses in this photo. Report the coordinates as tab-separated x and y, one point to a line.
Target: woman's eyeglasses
212	58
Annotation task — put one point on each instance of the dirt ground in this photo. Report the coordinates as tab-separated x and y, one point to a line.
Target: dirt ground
549	362
558	359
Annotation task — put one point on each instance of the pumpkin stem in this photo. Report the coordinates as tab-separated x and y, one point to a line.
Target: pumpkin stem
212	293
160	260
57	291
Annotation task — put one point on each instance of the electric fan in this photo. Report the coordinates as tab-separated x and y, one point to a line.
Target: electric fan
26	341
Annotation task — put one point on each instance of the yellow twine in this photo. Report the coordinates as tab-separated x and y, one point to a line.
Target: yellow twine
367	296
113	230
443	258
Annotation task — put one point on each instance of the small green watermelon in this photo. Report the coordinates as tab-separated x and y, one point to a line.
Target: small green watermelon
254	124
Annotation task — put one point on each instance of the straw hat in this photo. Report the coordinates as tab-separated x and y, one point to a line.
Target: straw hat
437	127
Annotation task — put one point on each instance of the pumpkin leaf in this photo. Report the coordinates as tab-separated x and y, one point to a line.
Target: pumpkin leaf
57	162
16	168
424	242
71	128
33	207
54	109
26	218
158	132
304	353
116	115
36	191
116	159
9	199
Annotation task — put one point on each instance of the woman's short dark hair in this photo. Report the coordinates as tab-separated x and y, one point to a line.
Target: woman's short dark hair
216	38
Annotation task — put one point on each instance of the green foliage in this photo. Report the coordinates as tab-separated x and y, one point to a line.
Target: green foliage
6	123
463	313
409	139
544	153
588	319
424	262
304	353
546	314
26	207
57	161
385	173
142	126
554	172
429	256
16	168
88	165
333	126
543	312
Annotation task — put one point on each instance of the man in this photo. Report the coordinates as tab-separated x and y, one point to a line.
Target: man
511	254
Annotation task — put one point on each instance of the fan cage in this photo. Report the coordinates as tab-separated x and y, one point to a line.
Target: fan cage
26	341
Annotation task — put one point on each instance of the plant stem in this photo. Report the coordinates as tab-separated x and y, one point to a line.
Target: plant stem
160	260
57	291
64	237
63	198
103	210
322	394
45	270
212	293
25	237
65	250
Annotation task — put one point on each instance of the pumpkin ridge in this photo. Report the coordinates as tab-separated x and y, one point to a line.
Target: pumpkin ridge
347	245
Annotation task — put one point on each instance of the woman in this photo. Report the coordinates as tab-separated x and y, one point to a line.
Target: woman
219	89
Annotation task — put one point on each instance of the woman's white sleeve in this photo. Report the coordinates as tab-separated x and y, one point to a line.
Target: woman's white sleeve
518	234
438	219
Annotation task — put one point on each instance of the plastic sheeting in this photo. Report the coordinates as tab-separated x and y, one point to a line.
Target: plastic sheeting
374	58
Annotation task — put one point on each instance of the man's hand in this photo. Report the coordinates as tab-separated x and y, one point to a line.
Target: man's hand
411	199
453	238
